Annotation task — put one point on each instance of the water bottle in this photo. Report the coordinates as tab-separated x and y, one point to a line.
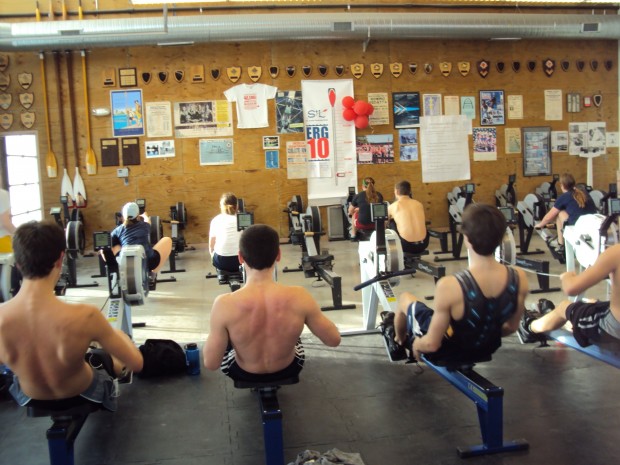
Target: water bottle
192	354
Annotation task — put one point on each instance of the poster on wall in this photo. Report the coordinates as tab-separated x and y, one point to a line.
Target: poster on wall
444	148
381	114
536	151
485	144
491	107
375	149
289	112
296	159
210	118
216	151
330	141
432	104
127	118
406	109
158	117
512	137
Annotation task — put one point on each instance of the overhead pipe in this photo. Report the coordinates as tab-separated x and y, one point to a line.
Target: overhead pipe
122	32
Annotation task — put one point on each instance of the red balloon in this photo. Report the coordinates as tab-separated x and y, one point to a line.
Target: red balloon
348	101
361	122
348	114
360	107
371	109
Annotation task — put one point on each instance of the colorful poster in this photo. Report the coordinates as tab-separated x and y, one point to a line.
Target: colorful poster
296	159
485	144
289	112
159	148
408	139
203	118
330	139
491	107
406	109
127	117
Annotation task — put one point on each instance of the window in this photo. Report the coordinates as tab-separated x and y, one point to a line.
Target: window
21	177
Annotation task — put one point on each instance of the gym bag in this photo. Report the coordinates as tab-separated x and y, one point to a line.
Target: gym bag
162	357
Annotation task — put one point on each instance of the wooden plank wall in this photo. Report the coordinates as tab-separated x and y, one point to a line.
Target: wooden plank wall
164	182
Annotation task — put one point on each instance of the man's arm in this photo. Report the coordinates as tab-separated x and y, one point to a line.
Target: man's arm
606	263
217	341
512	324
392	209
445	292
115	342
321	326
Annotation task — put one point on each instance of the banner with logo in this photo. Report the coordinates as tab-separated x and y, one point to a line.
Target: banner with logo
330	139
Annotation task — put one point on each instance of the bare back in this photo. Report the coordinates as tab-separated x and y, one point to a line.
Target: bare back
263	321
410	219
43	341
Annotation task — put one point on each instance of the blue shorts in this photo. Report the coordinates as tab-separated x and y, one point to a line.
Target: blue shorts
230	368
102	390
418	320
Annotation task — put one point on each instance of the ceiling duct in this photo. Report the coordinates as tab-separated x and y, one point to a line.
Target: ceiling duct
121	32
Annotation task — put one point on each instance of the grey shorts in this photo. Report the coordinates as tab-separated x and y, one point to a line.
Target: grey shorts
103	390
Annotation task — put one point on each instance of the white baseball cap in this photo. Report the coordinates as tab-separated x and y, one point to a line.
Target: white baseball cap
130	211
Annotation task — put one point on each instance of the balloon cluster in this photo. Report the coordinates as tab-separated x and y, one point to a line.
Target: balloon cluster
357	111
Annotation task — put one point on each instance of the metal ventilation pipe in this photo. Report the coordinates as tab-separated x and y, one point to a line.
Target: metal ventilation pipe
121	32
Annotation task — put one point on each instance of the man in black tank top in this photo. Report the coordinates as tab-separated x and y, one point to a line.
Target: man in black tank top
475	307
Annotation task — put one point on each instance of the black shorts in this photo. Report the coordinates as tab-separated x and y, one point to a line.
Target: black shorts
154	259
586	319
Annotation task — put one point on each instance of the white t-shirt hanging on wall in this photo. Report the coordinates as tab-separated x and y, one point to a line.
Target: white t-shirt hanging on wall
251	103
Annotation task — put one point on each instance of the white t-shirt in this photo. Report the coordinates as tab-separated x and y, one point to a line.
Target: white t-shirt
224	228
5	206
251	103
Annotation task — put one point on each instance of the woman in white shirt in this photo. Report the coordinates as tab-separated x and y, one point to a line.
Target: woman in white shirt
223	235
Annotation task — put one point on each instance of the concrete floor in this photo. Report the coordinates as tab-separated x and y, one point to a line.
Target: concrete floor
351	397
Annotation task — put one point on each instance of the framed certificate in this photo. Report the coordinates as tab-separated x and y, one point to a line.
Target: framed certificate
127	77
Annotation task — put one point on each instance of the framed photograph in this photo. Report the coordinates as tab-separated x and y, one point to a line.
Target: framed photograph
271	142
127	77
406	109
492	107
537	151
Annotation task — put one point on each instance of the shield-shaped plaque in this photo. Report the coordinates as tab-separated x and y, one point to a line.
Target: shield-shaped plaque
4	62
446	68
464	67
179	75
197	74
413	68
594	65
24	80
357	70
428	68
6	120
146	77
608	64
516	66
339	69
233	73
215	74
306	70
274	71
5	80
28	118
565	65
597	99
580	65
531	65
163	76
396	69
323	70
255	72
26	99
290	71
483	68
500	66
5	100
376	69
549	66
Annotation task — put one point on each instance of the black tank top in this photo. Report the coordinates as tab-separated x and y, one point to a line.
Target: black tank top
479	333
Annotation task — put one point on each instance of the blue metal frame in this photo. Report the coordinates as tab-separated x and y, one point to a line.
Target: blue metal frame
272	426
489	403
605	352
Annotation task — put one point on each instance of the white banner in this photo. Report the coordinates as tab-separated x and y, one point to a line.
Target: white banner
330	141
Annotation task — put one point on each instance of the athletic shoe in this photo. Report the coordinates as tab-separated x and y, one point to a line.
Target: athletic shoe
524	333
544	306
396	351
